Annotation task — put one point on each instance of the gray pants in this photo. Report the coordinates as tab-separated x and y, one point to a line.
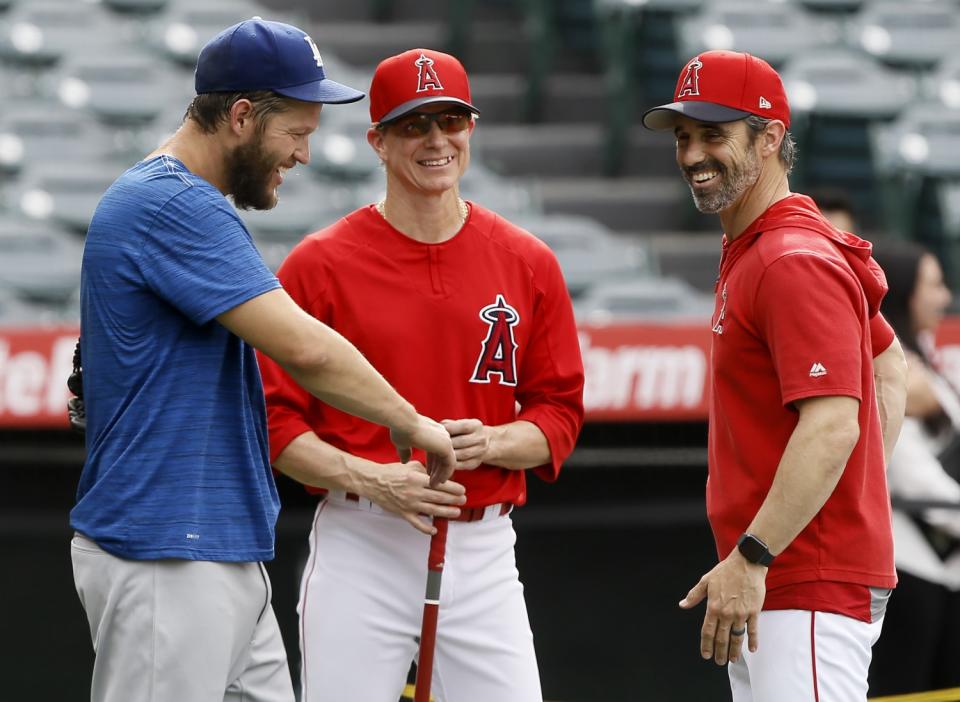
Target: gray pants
180	631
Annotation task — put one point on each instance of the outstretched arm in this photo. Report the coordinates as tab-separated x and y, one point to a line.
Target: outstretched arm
329	367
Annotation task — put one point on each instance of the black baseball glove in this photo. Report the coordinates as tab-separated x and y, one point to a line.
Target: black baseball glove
76	411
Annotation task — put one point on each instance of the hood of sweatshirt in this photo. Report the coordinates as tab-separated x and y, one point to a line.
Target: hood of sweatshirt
799	212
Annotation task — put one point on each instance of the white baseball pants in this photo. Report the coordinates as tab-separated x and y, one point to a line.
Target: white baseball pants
806	657
361	608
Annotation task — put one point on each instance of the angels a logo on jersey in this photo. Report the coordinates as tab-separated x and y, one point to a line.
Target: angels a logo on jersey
690	85
498	354
427	78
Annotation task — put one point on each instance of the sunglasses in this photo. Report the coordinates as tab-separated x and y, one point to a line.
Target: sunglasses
418	124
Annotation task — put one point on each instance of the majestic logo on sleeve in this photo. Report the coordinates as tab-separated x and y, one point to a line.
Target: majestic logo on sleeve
691	79
498	354
427	78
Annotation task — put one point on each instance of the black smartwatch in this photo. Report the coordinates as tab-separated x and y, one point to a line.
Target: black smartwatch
754	550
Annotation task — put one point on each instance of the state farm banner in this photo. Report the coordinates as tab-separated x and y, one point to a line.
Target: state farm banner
645	372
634	372
34	365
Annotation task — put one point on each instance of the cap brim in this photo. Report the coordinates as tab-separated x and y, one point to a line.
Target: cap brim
327	91
663	117
411	105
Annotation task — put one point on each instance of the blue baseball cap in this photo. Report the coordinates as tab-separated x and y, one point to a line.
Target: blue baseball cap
261	55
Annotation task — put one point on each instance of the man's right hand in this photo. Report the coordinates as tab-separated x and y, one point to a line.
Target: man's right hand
405	489
430	436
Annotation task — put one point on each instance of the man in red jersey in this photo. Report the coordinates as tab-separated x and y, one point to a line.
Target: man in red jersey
424	280
796	494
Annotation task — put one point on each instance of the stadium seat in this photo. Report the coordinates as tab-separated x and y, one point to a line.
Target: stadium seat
774	31
37	131
918	166
66	193
120	88
643	299
305	205
181	30
641	61
836	96
38	262
39	33
923	140
17	312
914	35
136	7
342	151
588	252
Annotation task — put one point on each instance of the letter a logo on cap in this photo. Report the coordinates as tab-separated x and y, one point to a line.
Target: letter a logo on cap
690	85
427	77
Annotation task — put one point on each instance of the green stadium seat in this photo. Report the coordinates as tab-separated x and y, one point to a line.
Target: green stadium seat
641	61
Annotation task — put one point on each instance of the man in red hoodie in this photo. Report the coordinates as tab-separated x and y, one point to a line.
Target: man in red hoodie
796	494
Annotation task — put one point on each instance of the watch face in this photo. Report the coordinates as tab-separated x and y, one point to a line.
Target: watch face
754	550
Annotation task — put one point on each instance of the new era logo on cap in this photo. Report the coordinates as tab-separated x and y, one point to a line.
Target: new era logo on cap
723	86
404	82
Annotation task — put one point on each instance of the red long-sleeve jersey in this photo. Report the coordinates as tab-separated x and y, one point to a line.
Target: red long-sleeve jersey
479	326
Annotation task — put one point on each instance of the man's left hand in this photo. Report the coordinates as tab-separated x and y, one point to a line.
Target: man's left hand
471	441
734	591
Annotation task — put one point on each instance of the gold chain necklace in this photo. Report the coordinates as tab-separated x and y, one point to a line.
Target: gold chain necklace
461	210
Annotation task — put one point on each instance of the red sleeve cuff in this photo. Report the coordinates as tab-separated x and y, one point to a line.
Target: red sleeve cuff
560	438
881	334
283	431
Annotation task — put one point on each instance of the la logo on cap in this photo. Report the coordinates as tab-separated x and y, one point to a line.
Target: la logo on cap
691	80
427	78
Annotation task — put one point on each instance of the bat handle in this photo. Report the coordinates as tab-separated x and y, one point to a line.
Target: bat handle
431	610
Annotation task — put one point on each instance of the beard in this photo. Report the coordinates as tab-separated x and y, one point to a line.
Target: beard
250	170
733	182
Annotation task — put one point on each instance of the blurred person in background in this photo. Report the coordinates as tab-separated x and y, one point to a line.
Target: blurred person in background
836	206
798	428
177	506
469	316
920	648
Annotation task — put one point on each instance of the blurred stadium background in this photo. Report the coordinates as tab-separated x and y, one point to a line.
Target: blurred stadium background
88	87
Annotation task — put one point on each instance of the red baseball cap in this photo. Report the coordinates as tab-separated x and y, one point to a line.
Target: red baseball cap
723	86
404	82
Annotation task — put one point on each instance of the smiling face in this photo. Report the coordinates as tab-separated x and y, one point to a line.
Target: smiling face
431	163
256	167
719	161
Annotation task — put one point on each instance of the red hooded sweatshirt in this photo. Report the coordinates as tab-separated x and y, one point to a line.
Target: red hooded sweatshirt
795	300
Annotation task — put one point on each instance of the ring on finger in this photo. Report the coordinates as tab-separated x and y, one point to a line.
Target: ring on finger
738	632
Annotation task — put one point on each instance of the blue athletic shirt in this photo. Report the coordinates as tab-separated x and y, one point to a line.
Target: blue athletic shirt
177	461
